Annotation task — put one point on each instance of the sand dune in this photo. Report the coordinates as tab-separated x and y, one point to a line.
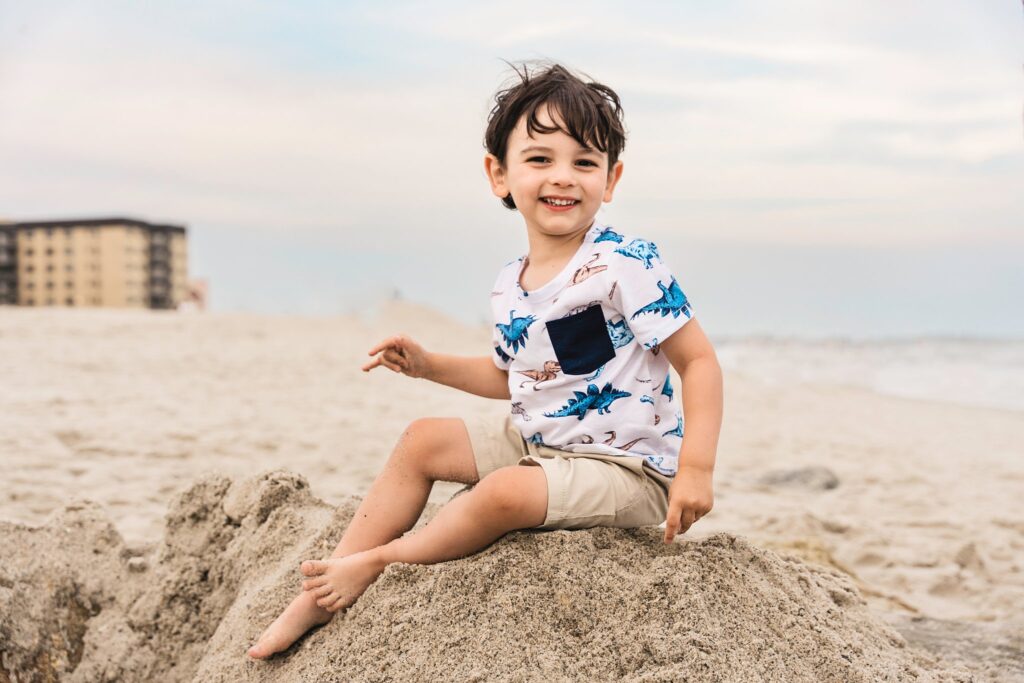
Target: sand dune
603	604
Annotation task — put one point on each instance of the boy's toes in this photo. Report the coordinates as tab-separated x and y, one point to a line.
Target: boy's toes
322	591
327	600
313	567
337	605
310	584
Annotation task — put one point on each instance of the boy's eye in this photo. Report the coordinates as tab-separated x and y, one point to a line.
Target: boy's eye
539	159
588	162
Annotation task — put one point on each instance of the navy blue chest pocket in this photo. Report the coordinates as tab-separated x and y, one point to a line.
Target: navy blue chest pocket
581	341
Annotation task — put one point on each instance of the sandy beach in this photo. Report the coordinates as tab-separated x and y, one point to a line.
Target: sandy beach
860	536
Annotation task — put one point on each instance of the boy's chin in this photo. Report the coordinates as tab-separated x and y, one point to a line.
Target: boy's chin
561	229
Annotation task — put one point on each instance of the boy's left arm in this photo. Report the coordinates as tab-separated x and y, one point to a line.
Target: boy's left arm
691	495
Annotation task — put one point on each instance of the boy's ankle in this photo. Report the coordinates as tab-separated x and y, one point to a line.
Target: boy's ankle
383	555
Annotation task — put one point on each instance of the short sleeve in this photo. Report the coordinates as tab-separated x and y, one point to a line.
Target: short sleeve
500	358
498	354
648	294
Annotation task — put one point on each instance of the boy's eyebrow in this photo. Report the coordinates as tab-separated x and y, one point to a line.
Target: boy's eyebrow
538	148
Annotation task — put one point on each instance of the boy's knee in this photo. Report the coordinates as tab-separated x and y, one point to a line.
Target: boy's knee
432	446
517	491
419	436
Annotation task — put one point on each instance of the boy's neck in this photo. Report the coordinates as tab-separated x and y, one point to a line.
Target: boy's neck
554	250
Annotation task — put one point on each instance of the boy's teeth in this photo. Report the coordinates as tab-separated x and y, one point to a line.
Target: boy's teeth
560	202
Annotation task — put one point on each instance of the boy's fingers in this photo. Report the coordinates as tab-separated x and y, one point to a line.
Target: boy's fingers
383	345
671	525
396	343
688	520
377	349
388	359
393	356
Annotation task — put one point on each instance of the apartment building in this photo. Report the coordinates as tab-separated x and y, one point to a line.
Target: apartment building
105	262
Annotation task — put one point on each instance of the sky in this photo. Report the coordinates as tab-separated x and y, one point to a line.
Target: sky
807	168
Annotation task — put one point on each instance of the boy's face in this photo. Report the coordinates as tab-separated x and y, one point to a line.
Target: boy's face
557	184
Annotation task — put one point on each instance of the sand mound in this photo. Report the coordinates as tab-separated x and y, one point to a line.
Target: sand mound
77	605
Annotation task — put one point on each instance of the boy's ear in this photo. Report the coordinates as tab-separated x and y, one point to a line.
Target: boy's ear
496	175
613	179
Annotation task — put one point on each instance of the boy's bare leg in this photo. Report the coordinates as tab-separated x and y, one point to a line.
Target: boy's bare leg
510	498
430	449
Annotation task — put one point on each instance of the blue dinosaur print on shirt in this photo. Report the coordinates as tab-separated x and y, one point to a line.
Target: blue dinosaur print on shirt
678	431
599	400
501	354
619	332
641	250
596	373
537	439
656	460
646	399
608	235
667	389
672	301
515	332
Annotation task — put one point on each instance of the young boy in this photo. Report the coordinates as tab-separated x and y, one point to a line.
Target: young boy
587	325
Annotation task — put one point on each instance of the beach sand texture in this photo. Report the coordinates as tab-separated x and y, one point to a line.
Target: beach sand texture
842	520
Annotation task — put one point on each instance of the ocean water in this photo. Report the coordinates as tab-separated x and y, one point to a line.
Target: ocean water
984	373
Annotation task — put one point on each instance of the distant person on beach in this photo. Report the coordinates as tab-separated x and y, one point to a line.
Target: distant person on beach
586	326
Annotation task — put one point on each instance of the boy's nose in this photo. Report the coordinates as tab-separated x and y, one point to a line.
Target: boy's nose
562	177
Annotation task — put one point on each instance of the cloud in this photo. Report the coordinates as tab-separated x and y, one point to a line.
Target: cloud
367	119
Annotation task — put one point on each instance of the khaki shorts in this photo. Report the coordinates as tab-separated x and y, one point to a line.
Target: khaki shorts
584	489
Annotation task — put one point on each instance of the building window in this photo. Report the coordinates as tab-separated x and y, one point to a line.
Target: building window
49	251
30	302
69	267
30	285
69	301
49	285
49	267
49	302
29	268
67	251
69	284
49	233
28	233
28	252
67	232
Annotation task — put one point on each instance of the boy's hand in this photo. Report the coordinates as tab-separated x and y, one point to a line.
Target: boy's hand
400	354
689	498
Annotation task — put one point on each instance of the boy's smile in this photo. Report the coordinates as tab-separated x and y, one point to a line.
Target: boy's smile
556	183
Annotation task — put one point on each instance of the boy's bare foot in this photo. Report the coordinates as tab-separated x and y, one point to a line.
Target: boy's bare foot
338	582
297	618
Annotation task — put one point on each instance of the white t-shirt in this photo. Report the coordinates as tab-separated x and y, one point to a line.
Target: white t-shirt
582	352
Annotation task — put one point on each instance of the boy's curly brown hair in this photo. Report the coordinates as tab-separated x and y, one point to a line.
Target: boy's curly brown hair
591	112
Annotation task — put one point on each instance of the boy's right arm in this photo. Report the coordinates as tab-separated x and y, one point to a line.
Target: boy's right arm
475	375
